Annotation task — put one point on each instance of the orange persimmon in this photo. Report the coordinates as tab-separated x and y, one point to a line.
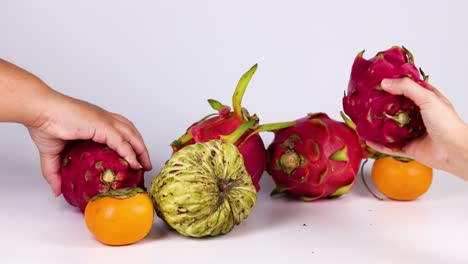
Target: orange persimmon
120	217
401	180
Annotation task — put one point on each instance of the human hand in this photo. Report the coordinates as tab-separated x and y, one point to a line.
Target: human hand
63	118
442	146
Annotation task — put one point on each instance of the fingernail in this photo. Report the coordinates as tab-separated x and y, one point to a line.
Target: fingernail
386	83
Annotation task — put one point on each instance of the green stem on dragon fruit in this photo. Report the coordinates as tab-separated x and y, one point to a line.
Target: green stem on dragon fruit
402	118
273	126
269	128
365	182
108	177
348	121
409	55
234	136
240	90
178	143
181	141
278	191
361	53
425	77
217	105
290	161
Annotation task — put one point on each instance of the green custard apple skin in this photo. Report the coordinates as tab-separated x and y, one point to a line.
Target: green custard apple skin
204	190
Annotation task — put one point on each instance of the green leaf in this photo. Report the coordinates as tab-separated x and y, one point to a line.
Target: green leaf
234	136
240	90
322	175
216	105
278	191
348	121
308	199
340	155
341	191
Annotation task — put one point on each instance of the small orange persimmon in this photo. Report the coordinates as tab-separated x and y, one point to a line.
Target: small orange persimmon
120	217
401	180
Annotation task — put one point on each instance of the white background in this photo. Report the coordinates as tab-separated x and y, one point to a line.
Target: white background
156	62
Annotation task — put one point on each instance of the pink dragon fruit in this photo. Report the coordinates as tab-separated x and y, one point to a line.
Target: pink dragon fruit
316	158
237	127
379	116
90	168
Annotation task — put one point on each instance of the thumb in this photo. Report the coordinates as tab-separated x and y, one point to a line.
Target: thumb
51	171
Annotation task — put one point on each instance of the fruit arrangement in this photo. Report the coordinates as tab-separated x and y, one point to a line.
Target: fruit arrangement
209	184
236	126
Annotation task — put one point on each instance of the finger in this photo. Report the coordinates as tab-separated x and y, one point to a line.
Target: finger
135	139
434	90
50	165
379	148
408	88
441	96
142	152
128	126
118	143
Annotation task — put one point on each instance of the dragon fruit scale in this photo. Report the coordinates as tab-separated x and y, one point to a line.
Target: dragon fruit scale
235	126
390	120
316	158
89	168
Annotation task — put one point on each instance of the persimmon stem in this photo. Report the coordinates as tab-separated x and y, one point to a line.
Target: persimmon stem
365	183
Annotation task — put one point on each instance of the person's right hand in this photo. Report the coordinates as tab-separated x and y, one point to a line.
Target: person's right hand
445	143
64	118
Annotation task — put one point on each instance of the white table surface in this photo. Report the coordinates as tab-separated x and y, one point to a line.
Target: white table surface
356	228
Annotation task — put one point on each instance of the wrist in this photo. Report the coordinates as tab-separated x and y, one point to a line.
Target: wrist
38	106
458	154
43	107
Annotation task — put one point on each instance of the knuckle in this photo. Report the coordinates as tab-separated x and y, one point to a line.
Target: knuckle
119	139
405	82
429	97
